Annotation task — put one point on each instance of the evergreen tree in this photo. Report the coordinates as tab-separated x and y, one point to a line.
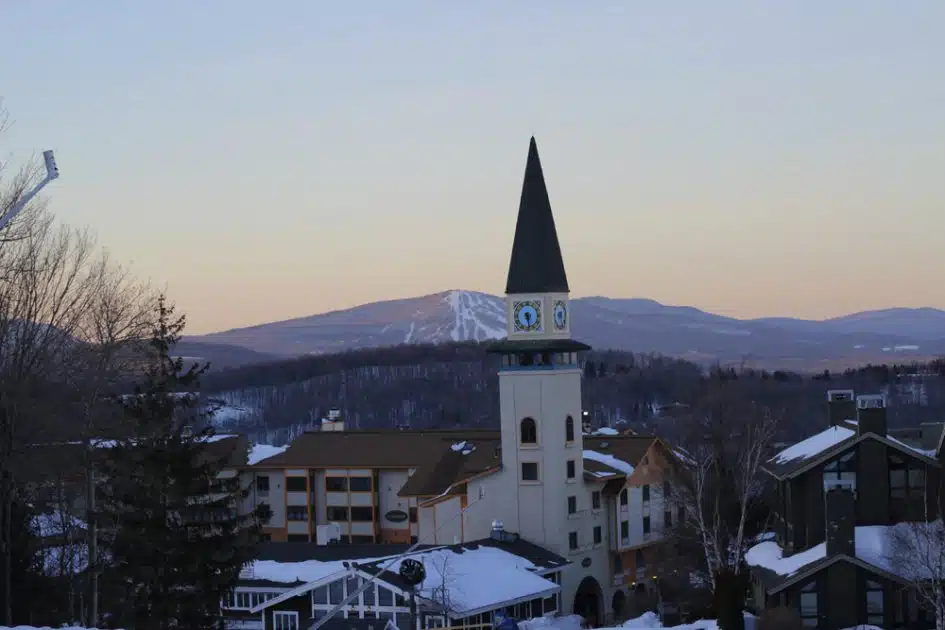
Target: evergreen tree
28	585
178	542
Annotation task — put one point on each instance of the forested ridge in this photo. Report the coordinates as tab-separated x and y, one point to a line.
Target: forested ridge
456	385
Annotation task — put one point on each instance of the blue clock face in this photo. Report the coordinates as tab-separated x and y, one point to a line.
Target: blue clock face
561	316
527	316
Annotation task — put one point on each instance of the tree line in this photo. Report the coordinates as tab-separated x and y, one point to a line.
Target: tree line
456	385
135	532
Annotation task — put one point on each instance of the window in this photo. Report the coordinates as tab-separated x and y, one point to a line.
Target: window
572	505
362	514
667	489
335	513
285	620
360	484
639	561
569	429
646	525
625	529
262	483
529	471
571	469
843	469
646	492
906	488
598	535
296	513
810	616
336	484
413	514
572	541
667	518
623	497
297	537
296	484
528	432
595	500
874	604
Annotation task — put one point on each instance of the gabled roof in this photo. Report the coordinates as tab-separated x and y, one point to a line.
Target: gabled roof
536	265
876	549
368	449
454	463
830	443
481	575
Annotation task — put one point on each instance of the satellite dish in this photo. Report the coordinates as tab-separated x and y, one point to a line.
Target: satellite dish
412	571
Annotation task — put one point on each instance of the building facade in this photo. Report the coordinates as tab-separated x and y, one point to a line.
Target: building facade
855	504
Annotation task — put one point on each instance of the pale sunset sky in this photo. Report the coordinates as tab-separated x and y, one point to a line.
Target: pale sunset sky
267	160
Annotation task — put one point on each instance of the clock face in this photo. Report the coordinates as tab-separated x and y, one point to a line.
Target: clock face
561	315
527	316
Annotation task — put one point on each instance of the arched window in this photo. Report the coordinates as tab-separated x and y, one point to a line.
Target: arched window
569	429
529	431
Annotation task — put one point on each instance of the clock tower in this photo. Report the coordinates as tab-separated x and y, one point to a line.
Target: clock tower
540	377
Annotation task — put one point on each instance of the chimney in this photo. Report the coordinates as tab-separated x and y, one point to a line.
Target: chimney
840	406
840	511
871	414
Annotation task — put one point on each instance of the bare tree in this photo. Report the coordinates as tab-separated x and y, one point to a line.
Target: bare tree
917	552
441	592
719	487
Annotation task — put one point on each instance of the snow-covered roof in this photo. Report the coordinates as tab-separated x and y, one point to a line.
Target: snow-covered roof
794	459
814	445
295	572
476	580
610	461
885	547
259	452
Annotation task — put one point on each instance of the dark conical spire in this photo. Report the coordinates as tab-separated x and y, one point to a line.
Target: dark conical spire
536	265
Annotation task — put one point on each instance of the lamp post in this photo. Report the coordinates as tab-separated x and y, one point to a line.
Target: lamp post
52	172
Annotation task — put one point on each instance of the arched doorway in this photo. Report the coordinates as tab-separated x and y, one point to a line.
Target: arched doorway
587	601
619	603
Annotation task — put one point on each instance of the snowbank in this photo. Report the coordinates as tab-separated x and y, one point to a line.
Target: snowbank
646	621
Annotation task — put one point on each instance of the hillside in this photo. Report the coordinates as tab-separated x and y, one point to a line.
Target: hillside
456	384
637	325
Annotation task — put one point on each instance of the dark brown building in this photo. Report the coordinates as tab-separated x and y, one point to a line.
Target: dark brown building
853	504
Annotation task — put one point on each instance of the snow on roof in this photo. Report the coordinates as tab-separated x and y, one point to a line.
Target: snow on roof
43	628
922	451
56	523
605	431
886	547
259	452
609	460
291	572
477	579
814	445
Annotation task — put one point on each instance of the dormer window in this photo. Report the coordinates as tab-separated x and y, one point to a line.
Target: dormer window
528	433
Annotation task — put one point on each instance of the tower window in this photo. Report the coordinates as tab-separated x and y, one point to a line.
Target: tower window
569	429
572	505
529	471
571	469
529	431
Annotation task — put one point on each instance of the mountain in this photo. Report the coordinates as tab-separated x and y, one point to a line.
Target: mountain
640	325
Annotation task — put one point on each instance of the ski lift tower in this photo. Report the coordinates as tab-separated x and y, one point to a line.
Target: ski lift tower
52	172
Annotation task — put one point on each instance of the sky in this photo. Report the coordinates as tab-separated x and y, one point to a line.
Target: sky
268	160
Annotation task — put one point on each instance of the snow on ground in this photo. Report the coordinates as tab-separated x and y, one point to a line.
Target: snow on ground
609	460
647	621
56	523
43	628
814	445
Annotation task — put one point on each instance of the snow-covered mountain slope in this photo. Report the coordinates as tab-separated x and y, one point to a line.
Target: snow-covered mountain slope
447	316
628	324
